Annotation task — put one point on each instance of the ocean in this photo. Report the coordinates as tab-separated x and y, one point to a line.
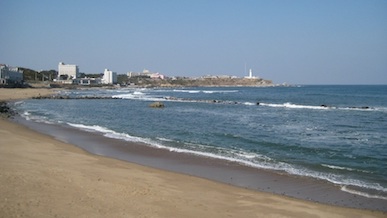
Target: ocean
336	134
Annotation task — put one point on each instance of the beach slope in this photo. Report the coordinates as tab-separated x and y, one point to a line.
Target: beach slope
43	177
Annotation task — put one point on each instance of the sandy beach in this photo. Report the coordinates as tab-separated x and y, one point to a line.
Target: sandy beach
44	177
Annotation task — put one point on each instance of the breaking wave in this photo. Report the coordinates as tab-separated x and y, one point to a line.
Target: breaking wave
245	158
204	91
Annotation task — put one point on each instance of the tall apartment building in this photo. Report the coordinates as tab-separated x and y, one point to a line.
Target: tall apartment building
68	71
109	77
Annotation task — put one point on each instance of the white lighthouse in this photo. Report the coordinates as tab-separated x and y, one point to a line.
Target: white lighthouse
250	76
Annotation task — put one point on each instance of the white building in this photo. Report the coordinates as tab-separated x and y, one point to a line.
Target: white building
67	71
132	74
10	75
157	76
109	77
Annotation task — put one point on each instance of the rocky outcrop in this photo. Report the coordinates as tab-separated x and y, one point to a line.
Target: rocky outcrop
5	110
157	104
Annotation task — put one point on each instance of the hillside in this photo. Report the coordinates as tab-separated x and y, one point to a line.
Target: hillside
189	82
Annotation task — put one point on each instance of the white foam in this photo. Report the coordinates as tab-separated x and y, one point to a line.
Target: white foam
18	103
93	128
138	96
369	109
295	106
250	156
112	134
343	168
355	192
337	167
204	91
219	91
187	91
164	139
40	119
124	96
138	93
123	136
271	105
242	157
290	105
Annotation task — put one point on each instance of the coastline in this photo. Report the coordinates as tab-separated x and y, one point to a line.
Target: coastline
37	169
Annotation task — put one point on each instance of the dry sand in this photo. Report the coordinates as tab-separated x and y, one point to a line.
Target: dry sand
43	177
16	94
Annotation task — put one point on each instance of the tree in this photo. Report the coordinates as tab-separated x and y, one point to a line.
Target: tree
33	75
122	79
28	74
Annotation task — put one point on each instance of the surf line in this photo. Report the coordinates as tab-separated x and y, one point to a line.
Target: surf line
322	106
286	105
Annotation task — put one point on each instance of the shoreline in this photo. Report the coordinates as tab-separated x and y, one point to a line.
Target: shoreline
218	170
170	194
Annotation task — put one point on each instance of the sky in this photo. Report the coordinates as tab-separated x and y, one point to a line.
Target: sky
297	42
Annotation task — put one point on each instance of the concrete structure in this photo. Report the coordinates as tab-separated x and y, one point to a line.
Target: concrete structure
109	77
67	71
10	75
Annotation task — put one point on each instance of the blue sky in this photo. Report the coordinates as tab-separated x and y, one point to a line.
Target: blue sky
298	42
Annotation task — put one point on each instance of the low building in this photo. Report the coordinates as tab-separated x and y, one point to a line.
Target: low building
157	76
132	74
146	74
10	75
223	77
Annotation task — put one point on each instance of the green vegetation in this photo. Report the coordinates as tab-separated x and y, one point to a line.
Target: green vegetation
122	79
189	82
32	75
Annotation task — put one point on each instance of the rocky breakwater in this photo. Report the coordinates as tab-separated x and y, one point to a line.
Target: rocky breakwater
64	97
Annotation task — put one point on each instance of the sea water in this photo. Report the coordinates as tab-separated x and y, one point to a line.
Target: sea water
333	133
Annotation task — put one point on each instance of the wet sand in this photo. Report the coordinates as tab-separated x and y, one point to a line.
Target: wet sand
43	176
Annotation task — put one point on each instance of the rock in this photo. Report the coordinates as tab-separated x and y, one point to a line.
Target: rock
157	104
5	110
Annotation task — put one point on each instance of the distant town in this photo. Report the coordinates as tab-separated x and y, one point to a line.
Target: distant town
68	75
